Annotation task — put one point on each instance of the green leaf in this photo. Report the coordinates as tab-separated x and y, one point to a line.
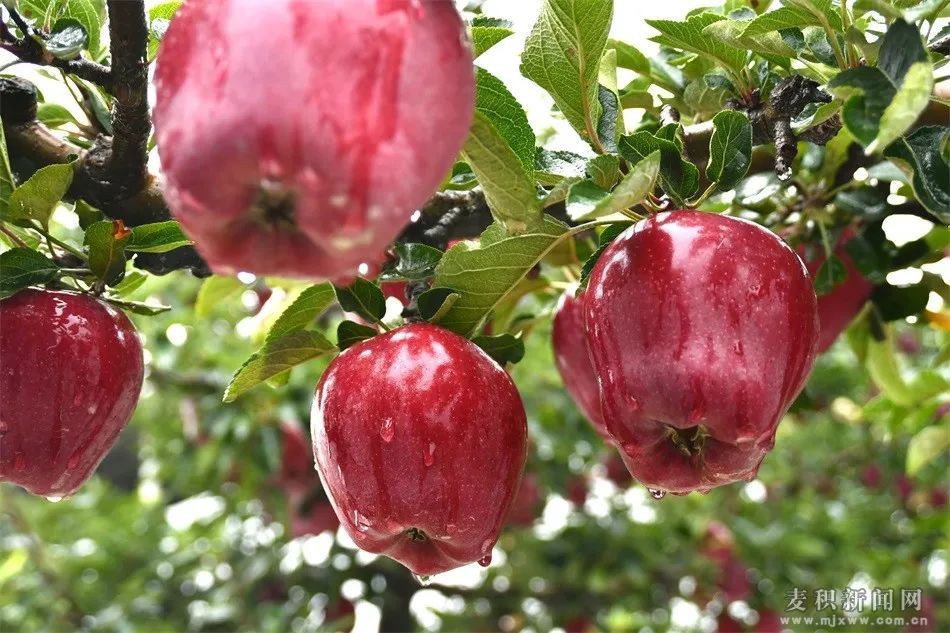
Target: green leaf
277	356
901	49
159	237
895	303
732	32
54	115
22	267
703	98
562	55
604	170
349	333
415	261
487	33
866	92
583	202
87	12
629	57
780	19
509	190
503	348
138	307
690	36
905	108
832	273
920	155
214	291
926	446
730	149
824	11
882	366
679	178
484	273
6	174
106	243
36	198
435	303
159	17
363	298
551	167
14	562
308	305
498	105
67	40
132	282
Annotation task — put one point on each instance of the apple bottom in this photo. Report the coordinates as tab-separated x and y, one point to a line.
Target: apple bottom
424	553
680	461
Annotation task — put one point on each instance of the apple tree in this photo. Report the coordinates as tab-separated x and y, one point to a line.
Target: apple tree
346	335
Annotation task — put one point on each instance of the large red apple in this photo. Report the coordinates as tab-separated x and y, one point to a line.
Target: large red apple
420	440
297	475
702	330
299	138
573	360
71	371
838	308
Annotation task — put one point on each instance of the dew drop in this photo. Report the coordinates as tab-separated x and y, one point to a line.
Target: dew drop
54	499
451	528
632	403
423	580
4	428
429	457
485	561
387	430
19	462
657	494
360	521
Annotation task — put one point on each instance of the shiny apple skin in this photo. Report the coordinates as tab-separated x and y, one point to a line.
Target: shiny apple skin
569	338
419	430
298	140
71	371
698	320
838	308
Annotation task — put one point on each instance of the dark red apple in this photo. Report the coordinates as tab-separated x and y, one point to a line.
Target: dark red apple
528	502
769	622
616	471
71	370
871	476
420	439
395	290
576	490
726	624
296	459
838	308
318	518
702	329
573	360
298	140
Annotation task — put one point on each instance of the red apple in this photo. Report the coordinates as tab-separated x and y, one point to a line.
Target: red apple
576	490
71	370
871	476
769	622
528	502
726	624
702	329
395	290
298	140
420	439
297	474
839	307
573	360
616	471
318	518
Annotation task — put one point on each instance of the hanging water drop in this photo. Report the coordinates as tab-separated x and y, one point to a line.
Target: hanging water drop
485	561
423	580
387	430
657	494
54	499
429	457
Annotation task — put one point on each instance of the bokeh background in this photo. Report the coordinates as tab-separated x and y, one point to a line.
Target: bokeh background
202	520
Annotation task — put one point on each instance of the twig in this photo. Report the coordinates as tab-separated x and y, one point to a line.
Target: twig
13	236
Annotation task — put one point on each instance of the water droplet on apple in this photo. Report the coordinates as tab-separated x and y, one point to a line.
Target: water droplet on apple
388	430
73	460
485	561
451	528
3	428
19	462
429	457
54	499
360	521
657	494
423	580
632	402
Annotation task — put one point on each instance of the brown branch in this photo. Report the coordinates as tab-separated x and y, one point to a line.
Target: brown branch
131	123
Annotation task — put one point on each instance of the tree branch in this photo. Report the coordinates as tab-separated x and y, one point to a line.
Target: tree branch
131	123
